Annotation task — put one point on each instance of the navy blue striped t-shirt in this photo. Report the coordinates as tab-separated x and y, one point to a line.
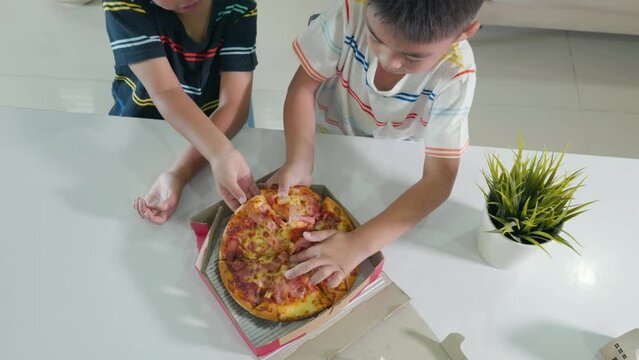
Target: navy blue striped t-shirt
140	30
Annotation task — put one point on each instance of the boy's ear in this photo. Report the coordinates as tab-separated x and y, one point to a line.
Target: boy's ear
469	32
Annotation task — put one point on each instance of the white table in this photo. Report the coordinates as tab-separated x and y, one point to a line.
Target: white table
83	277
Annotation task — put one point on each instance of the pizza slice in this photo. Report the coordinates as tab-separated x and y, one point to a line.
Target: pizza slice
300	210
260	288
301	206
332	216
253	232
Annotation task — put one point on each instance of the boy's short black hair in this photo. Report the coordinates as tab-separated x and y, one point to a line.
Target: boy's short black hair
424	21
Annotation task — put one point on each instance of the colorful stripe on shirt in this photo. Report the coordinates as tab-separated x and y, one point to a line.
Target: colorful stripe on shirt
191	90
250	13
230	9
329	120
306	64
122	6
409	118
446	153
237	50
136	99
148	102
463	72
188	56
352	43
211	105
454	55
365	107
134	41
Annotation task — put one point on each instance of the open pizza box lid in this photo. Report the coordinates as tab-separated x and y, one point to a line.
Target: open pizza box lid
374	317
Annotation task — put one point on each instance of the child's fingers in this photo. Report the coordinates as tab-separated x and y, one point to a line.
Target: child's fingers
305	267
301	244
335	279
272	180
154	215
145	210
316	236
236	192
254	190
249	186
231	201
282	189
153	201
228	198
282	185
140	207
158	218
310	253
135	205
322	273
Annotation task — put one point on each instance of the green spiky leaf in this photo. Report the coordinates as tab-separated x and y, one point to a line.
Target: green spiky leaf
531	201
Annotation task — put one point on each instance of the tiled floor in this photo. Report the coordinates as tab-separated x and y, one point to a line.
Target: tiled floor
554	87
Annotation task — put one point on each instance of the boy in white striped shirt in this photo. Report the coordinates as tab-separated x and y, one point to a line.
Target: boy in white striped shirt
388	69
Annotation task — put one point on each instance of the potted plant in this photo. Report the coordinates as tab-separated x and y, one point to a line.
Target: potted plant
527	207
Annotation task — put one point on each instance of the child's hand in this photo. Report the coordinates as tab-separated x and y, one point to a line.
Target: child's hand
233	179
290	175
334	255
162	200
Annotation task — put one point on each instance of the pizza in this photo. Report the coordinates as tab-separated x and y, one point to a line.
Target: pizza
256	246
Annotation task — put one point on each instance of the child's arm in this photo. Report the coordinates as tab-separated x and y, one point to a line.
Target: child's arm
229	118
339	253
299	129
163	197
233	178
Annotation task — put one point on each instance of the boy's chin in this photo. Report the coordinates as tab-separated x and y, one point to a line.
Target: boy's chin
392	72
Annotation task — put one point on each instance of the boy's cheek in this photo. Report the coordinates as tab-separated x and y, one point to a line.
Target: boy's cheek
373	48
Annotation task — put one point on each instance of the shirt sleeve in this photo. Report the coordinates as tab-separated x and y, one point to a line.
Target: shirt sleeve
319	48
238	50
132	35
446	134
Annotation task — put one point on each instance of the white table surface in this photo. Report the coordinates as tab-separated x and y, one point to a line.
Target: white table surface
82	276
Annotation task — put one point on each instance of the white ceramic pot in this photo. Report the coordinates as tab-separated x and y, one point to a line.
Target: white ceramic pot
498	250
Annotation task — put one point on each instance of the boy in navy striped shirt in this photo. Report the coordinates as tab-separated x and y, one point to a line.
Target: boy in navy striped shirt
191	63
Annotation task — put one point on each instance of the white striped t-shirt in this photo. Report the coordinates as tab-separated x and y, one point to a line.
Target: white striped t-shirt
431	107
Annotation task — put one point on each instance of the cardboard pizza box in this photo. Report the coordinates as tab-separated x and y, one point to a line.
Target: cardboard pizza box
374	321
262	336
384	327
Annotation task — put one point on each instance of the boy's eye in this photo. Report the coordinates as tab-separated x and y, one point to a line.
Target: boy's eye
413	60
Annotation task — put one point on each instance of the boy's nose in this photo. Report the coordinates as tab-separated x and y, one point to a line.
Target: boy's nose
395	64
393	60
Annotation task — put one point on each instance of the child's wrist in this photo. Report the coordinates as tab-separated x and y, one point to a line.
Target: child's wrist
301	164
219	152
182	175
365	245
